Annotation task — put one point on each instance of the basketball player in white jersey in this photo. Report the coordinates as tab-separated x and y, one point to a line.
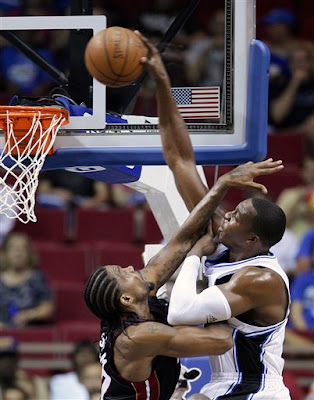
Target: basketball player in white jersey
246	285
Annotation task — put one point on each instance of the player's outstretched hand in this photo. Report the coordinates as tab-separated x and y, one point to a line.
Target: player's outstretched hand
153	60
243	175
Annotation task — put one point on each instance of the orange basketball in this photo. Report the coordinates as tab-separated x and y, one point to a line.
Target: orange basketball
113	56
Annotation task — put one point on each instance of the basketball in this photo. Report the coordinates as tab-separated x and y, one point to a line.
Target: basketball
113	56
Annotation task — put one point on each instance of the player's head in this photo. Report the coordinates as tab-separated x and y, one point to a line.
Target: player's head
111	291
256	224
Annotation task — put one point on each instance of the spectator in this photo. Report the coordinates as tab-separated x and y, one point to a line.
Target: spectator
11	376
10	8
90	377
14	393
63	189
19	73
205	58
285	250
304	255
116	15
25	295
291	98
68	386
297	202
302	289
154	21
280	26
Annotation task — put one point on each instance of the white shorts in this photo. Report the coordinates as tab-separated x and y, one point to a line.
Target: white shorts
271	387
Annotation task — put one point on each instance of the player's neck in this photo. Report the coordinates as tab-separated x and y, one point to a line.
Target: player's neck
235	256
142	311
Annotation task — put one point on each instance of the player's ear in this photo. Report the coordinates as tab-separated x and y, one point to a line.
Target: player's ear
126	300
253	239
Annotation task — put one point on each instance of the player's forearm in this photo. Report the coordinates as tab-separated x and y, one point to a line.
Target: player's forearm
187	307
175	138
214	339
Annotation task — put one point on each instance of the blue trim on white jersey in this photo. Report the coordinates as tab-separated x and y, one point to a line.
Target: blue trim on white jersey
226	264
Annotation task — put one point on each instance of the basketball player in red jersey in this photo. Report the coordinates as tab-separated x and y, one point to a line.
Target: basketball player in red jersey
246	284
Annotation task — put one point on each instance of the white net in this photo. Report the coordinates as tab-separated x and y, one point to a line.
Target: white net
21	161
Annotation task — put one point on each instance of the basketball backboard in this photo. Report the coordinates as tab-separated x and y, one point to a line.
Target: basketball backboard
238	134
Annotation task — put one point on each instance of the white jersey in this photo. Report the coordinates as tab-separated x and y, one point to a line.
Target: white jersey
252	369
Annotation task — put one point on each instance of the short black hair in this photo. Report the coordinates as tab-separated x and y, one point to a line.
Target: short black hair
269	222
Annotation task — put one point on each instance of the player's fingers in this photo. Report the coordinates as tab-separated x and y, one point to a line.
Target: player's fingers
269	163
147	43
272	170
259	186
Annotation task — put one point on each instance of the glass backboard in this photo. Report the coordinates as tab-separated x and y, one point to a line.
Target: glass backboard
233	131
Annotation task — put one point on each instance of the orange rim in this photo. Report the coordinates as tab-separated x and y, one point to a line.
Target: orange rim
22	118
28	112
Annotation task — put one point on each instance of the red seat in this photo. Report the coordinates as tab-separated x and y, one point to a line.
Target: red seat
62	262
70	304
51	225
123	254
290	176
286	147
76	331
115	225
34	334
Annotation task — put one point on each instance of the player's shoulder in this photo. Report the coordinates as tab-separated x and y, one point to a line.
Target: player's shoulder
254	277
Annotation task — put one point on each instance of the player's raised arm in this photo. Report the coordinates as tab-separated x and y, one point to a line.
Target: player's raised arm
176	143
164	264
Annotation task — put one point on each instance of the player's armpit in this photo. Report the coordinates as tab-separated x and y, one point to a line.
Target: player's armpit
252	288
149	339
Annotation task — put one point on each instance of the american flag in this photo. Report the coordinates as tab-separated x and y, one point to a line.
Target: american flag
198	102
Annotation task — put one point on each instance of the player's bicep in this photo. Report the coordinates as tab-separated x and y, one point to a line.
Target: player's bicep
238	301
251	288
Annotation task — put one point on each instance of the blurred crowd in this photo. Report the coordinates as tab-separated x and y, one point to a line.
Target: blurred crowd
82	382
194	58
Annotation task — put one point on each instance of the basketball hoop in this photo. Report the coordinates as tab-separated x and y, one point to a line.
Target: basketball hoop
29	133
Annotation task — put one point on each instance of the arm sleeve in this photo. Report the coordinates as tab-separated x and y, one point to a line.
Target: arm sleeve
189	308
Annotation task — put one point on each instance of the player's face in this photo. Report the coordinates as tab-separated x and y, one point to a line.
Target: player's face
130	280
235	228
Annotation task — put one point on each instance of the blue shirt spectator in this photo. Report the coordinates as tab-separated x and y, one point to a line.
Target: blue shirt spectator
302	292
17	70
302	287
306	245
